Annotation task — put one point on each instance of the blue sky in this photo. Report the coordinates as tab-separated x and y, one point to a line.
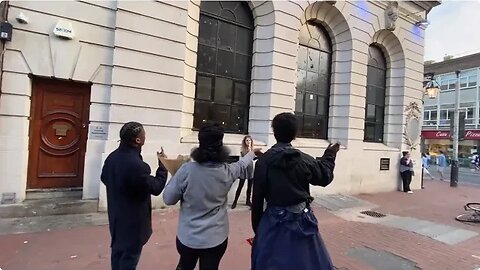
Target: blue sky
453	30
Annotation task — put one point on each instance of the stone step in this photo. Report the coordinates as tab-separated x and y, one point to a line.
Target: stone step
40	194
48	207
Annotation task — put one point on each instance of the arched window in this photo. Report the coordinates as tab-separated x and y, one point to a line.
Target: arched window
224	65
376	88
313	81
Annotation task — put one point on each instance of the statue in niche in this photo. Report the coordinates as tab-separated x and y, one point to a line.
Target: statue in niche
391	15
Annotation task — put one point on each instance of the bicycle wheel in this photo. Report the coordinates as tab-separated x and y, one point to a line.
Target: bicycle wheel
473	206
469	217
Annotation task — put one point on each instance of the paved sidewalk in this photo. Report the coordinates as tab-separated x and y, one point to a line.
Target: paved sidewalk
353	245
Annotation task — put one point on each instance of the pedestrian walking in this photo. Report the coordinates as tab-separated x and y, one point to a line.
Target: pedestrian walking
442	165
475	162
247	146
129	187
426	164
286	233
406	171
202	188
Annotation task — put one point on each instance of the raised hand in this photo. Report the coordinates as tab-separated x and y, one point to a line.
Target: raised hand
258	151
333	148
161	154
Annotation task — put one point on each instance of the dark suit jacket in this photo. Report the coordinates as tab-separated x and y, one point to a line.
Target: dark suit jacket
129	186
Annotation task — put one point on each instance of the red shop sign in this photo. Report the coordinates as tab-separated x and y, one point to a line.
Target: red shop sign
445	134
472	135
436	134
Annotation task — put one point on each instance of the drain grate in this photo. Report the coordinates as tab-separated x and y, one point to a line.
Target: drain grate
373	214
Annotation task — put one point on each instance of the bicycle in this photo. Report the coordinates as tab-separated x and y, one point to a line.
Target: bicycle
472	215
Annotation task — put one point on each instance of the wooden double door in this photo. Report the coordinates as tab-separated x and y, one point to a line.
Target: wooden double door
58	133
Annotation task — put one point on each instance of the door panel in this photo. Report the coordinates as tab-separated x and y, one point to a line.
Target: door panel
58	133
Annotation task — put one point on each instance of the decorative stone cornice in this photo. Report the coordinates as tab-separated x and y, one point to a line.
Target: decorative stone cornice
427	5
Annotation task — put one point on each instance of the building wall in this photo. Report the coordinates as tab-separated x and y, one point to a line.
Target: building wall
141	59
469	98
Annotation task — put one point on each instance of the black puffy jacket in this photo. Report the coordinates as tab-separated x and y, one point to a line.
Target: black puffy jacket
283	176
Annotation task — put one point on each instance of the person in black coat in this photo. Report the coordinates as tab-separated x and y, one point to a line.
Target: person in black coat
129	187
286	233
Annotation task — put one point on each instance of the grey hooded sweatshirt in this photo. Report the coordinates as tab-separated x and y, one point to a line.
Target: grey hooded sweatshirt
202	190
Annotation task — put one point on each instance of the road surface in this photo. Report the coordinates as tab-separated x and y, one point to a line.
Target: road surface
465	175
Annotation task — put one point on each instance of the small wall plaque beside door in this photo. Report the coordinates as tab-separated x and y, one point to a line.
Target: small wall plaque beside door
384	164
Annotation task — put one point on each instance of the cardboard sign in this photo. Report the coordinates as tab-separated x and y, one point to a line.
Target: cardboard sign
173	165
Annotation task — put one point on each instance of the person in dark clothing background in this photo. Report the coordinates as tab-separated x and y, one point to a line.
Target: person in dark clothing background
406	171
286	234
129	186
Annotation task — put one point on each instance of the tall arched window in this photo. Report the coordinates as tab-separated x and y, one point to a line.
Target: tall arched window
376	88
313	81
224	65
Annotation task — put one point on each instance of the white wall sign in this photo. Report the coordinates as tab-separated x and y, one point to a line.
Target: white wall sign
64	29
98	133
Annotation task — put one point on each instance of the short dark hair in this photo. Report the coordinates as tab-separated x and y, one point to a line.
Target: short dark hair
404	153
130	131
285	127
216	155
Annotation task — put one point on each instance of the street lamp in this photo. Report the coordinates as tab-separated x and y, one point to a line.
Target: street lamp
431	89
455	135
431	86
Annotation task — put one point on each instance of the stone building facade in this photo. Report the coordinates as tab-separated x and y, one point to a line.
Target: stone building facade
171	65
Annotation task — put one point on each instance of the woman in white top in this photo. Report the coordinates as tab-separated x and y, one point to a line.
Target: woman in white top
247	146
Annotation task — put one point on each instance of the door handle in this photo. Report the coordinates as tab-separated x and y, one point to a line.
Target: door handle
84	125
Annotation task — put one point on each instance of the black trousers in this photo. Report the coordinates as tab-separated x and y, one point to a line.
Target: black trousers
125	259
239	190
407	179
209	258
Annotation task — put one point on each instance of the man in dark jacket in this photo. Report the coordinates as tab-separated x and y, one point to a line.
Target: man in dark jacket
286	233
129	186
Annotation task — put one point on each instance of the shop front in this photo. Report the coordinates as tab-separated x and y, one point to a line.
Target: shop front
440	140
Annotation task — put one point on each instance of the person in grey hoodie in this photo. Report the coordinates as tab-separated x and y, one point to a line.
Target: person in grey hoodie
202	188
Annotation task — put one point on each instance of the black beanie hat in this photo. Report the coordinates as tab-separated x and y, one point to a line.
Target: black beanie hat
210	136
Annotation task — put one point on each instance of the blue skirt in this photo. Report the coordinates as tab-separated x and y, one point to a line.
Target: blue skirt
289	241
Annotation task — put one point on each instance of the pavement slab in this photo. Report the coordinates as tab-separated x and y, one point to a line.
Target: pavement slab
456	236
381	260
336	202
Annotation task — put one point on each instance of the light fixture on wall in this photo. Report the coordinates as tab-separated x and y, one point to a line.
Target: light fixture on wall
431	86
22	18
423	22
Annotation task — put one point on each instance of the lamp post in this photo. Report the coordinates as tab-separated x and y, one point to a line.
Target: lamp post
455	135
431	89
